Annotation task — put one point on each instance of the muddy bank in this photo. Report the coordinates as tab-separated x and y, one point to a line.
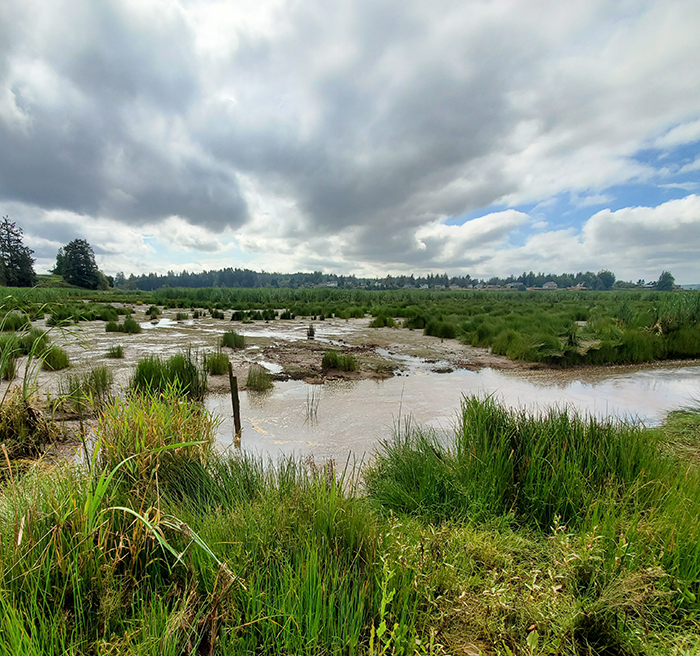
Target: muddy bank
280	345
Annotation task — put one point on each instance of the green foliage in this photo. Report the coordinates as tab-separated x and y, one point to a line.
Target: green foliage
665	282
90	390
216	364
54	358
16	261
129	326
12	322
153	311
181	316
340	361
232	339
258	378
381	321
442	329
181	372
115	352
76	263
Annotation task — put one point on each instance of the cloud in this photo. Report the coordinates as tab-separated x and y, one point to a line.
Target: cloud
336	135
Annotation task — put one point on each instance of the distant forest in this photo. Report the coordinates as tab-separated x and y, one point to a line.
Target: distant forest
231	277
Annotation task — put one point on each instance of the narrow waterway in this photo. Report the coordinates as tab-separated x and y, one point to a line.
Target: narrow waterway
342	417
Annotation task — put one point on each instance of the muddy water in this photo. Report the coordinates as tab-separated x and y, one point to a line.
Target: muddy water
354	416
343	416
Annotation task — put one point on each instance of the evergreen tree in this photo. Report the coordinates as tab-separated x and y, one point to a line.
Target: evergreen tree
16	261
76	262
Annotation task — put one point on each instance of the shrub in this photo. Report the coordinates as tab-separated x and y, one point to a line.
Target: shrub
381	321
112	327
258	378
181	316
153	311
54	358
442	329
232	339
116	352
217	314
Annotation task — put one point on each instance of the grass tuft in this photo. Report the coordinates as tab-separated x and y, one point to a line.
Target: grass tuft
54	358
115	352
154	375
258	378
342	362
232	339
216	364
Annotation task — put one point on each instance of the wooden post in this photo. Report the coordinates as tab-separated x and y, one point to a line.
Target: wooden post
235	402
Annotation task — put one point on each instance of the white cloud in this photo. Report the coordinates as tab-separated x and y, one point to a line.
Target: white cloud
680	135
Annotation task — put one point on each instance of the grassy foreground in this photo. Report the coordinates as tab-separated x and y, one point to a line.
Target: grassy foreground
517	535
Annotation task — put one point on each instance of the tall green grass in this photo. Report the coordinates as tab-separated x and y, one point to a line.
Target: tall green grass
154	375
232	339
258	378
54	358
340	361
216	363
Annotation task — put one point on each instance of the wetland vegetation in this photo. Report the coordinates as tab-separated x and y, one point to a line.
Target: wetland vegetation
517	534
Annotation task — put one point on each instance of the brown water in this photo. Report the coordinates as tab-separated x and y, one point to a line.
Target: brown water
354	416
339	417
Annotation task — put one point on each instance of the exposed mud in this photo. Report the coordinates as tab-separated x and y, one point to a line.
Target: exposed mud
281	346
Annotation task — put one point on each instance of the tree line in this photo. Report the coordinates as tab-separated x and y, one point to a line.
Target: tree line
76	263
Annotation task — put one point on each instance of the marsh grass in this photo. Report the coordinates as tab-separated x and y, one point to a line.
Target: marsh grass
258	378
216	363
86	392
154	375
129	326
181	316
24	429
115	352
167	546
54	358
232	339
340	361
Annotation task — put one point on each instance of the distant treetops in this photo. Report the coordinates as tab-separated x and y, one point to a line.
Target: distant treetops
76	263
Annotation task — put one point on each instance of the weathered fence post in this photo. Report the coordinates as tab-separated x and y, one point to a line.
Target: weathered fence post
235	402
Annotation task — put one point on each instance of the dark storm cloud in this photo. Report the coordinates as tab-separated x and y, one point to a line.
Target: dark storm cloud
388	132
342	132
88	93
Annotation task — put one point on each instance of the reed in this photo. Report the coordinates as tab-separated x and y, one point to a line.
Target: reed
340	361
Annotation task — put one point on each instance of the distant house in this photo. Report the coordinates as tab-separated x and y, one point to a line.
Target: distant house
332	284
578	287
550	284
514	285
424	286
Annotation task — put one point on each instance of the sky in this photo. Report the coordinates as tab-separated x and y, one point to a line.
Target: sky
369	137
